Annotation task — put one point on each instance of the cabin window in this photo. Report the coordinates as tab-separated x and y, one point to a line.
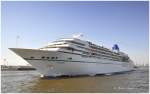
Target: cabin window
69	48
85	52
52	57
56	57
70	58
31	57
77	43
43	57
47	57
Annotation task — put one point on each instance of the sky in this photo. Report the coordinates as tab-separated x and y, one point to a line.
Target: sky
33	24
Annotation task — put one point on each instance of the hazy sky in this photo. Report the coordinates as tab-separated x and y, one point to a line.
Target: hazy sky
104	23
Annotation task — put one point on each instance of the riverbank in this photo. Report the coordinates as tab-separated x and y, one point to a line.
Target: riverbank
15	68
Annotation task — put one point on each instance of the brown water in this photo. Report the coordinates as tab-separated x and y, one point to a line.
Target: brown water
30	82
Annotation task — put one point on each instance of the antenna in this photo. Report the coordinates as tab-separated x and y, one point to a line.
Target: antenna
17	38
5	62
78	35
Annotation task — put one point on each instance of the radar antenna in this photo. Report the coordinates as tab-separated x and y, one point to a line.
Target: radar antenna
78	35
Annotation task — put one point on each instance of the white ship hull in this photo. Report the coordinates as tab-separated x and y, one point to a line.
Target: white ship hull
77	66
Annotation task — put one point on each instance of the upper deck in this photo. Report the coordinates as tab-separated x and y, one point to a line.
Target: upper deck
82	47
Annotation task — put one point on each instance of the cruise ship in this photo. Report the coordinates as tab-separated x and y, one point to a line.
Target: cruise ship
73	56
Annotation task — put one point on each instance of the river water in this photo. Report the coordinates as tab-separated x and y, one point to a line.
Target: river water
29	82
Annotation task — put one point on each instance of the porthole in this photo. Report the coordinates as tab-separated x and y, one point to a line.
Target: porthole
47	57
56	57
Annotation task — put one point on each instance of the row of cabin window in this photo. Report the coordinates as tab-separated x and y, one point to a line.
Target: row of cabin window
110	57
53	58
71	42
99	54
114	59
84	52
104	56
77	43
101	51
104	49
43	57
